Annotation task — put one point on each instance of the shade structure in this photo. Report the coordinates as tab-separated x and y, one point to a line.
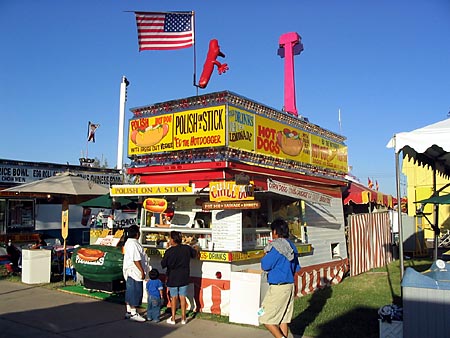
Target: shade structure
444	199
107	202
429	145
66	184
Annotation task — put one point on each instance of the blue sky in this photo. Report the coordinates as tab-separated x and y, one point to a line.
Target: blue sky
385	64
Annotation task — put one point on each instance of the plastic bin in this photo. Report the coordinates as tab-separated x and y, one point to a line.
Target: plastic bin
390	321
36	266
426	302
394	329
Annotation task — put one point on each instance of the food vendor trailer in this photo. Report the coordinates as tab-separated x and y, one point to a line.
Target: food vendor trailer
227	166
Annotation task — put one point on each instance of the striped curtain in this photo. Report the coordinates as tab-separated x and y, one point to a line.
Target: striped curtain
369	241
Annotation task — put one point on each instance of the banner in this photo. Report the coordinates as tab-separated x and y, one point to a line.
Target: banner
297	192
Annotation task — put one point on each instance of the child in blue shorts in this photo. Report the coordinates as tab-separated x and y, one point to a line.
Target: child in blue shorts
155	296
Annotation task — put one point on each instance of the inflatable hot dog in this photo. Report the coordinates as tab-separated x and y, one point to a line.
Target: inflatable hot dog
156	205
289	142
150	136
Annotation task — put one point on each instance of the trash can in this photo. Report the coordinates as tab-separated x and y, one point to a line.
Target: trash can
426	301
36	266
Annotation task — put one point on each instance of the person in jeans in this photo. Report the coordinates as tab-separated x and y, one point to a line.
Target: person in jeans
135	267
154	296
177	262
281	264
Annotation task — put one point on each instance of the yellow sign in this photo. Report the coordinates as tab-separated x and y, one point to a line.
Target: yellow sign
230	191
277	139
243	256
150	135
328	154
233	127
199	128
151	189
215	256
241	129
65	224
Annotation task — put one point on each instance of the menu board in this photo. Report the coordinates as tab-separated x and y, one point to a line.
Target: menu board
227	230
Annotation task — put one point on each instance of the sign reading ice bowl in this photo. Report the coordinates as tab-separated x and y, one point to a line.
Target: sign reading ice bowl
22	173
230	191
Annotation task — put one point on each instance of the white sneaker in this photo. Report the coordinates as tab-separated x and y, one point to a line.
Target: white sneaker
170	321
137	318
183	322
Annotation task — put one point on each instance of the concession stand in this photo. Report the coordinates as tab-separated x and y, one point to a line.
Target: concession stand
219	168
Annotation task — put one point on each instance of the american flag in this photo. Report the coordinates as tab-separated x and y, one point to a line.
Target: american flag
165	31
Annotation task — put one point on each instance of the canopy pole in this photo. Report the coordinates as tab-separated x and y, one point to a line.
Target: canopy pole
399	214
436	218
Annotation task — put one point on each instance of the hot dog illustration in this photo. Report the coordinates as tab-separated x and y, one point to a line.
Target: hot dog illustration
150	135
157	205
289	142
332	154
90	255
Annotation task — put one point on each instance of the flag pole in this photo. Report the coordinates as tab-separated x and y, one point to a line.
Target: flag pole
120	137
195	53
87	139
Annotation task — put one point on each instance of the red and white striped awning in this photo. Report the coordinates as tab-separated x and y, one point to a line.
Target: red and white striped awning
360	194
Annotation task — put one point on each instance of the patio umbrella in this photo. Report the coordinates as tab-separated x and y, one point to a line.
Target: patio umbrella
66	184
444	199
107	202
69	187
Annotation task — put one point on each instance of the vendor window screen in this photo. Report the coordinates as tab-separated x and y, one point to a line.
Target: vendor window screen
20	215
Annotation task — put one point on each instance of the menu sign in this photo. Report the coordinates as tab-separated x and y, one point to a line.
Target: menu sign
227	230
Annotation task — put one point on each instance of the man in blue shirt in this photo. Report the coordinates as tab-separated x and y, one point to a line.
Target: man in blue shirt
281	264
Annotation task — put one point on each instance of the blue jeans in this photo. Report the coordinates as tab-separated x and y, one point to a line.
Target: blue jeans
153	308
134	292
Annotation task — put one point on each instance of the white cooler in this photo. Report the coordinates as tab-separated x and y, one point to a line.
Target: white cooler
36	266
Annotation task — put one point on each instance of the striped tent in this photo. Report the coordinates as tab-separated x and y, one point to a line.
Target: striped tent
369	241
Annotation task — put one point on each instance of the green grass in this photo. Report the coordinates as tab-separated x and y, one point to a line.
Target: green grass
348	309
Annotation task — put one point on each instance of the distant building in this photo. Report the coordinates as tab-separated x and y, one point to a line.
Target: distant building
23	215
419	187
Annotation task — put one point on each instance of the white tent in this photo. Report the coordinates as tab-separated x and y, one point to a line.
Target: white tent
428	146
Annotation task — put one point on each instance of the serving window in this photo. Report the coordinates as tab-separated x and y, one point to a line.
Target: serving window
20	216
